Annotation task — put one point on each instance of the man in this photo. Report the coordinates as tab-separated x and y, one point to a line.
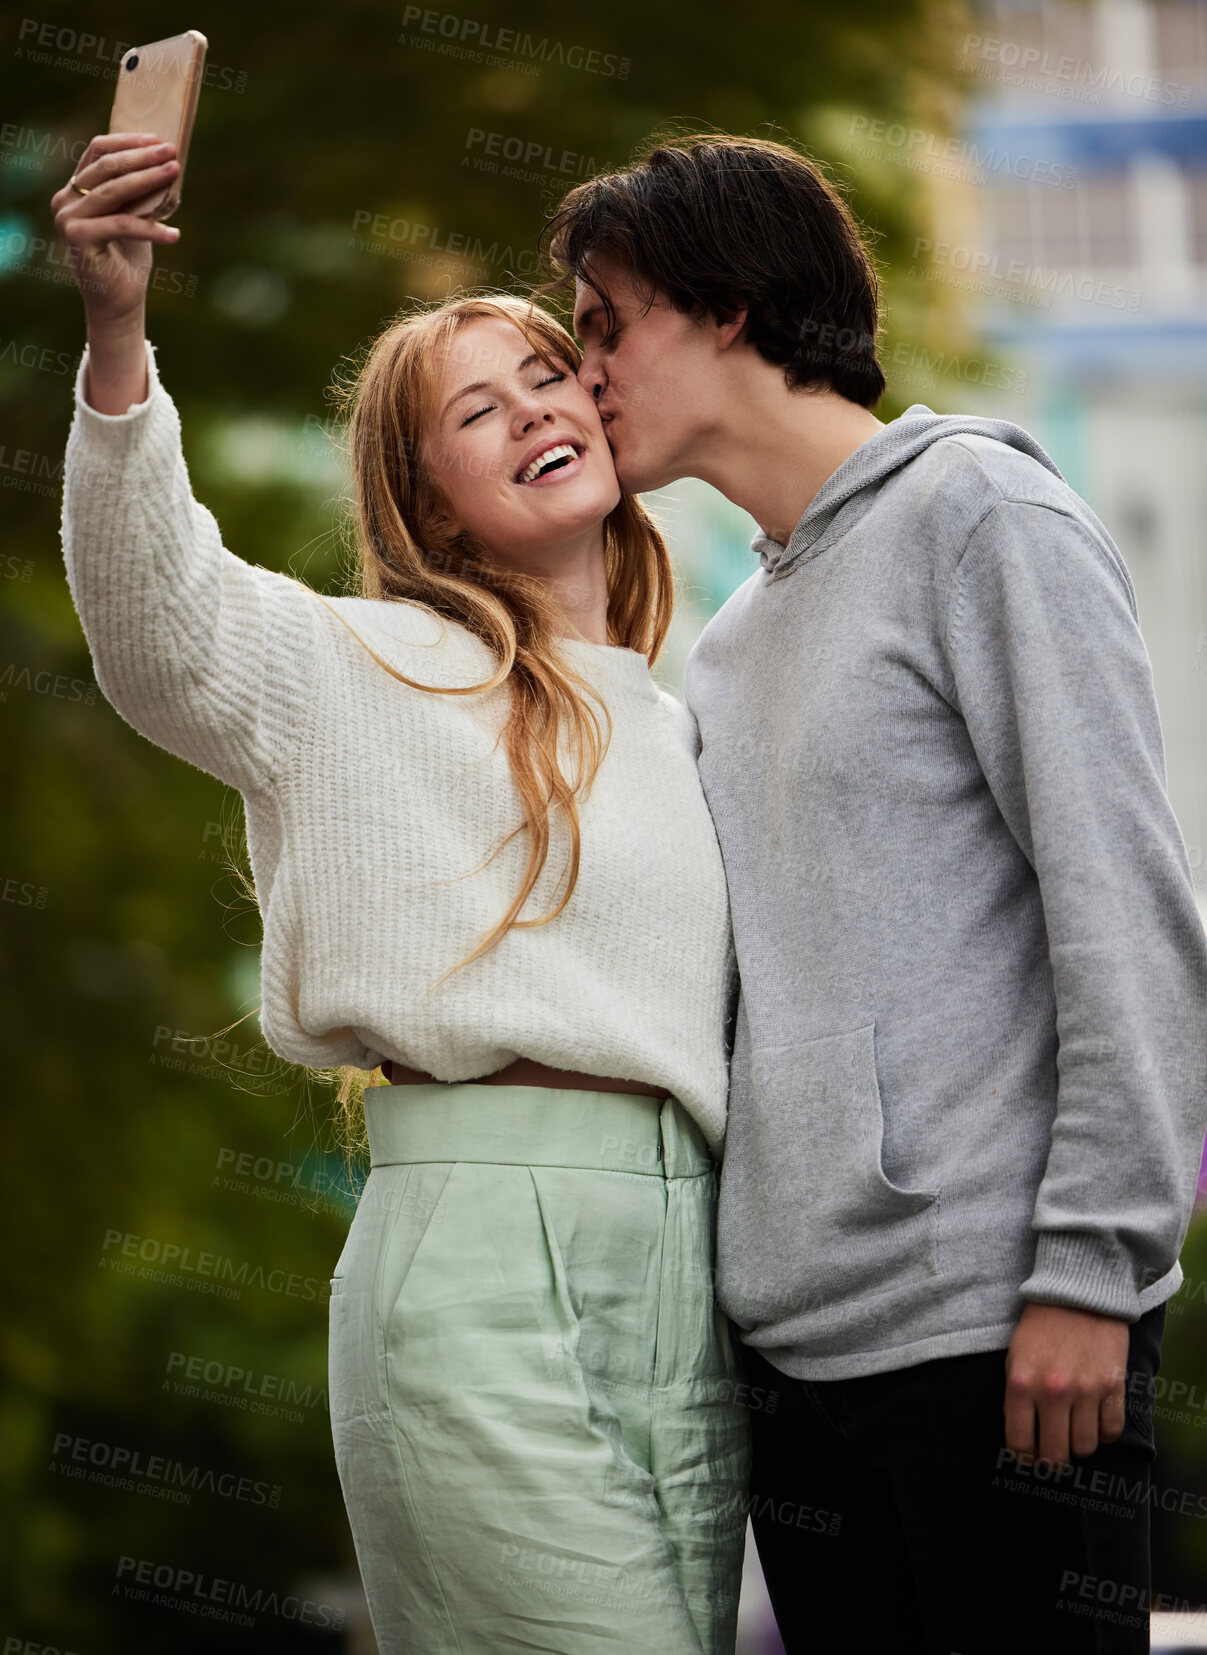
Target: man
969	1065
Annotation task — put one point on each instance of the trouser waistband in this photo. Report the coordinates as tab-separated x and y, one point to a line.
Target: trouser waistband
534	1126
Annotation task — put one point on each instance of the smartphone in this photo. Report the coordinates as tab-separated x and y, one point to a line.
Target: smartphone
157	89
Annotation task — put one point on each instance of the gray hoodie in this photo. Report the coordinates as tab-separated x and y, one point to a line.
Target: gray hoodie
969	1062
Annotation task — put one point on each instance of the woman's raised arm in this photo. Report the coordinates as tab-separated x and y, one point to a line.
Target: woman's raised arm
208	656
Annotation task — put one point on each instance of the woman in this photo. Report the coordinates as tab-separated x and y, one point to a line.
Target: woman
533	1397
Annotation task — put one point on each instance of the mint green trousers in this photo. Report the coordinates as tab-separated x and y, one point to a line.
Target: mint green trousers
535	1403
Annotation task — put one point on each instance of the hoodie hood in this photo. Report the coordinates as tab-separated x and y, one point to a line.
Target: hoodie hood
902	440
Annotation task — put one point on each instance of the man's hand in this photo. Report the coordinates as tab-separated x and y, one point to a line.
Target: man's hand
1070	1368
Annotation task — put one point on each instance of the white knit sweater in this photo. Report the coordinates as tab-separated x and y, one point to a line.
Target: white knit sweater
361	792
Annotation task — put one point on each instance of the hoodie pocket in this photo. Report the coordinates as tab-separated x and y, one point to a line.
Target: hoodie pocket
814	1144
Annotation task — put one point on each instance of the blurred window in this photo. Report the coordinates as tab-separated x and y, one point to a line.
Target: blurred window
1070	33
1090	227
1107	220
1181	41
1057	31
1196	192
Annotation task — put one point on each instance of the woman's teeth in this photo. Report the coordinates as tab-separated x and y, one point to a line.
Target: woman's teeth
561	453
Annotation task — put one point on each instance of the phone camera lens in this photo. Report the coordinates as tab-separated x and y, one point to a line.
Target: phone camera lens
132	61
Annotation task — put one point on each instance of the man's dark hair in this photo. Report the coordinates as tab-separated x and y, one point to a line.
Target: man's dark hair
718	222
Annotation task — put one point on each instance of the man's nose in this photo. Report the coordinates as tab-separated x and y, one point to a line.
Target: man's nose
592	377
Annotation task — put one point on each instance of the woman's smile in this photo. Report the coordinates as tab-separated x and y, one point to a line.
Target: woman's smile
552	462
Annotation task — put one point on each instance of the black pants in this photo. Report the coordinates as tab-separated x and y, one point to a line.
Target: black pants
889	1507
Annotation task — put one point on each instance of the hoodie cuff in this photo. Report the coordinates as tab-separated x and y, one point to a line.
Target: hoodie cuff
1092	1272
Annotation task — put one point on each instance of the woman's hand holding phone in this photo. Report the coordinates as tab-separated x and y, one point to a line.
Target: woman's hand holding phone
109	253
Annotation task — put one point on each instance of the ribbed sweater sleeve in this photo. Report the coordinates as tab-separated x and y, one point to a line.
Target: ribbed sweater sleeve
1056	689
206	655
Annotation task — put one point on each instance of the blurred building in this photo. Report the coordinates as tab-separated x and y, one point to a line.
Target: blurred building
1083	248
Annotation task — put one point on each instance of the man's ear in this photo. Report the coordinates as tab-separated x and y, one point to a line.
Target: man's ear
731	323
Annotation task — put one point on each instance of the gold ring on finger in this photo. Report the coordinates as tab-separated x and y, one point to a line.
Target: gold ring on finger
78	188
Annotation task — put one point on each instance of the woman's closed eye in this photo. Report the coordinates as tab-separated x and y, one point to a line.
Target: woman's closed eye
554	379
